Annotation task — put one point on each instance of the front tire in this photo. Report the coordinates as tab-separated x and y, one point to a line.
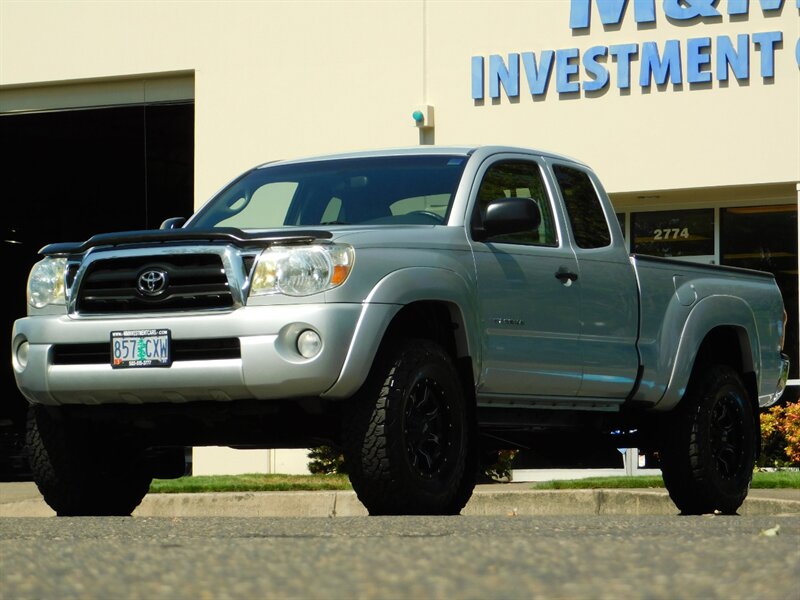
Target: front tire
408	435
709	452
81	470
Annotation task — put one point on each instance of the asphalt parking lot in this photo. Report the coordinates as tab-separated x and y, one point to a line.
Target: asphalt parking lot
567	557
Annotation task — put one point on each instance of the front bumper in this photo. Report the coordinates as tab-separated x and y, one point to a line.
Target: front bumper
270	367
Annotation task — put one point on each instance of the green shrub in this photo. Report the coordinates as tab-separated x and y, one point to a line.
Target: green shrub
326	460
500	469
780	436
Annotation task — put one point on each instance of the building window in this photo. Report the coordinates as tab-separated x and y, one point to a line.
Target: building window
673	233
765	238
621	220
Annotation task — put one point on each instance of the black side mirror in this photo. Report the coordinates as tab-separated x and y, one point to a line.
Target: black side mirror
509	215
173	223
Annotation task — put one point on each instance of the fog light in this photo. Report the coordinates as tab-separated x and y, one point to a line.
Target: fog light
22	355
309	343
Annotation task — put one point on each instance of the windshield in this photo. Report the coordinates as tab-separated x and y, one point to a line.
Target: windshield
379	190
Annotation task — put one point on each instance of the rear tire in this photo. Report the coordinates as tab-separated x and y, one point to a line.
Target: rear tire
82	471
710	449
408	435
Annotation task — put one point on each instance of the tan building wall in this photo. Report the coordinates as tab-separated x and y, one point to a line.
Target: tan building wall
216	460
284	79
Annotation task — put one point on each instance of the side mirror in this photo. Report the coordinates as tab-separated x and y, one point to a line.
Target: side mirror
509	215
173	223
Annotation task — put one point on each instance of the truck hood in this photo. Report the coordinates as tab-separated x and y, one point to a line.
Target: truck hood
358	235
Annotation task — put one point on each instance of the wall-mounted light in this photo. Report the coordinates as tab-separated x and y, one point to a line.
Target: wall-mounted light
423	116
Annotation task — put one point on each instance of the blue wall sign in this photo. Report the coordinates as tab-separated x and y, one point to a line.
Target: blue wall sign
594	69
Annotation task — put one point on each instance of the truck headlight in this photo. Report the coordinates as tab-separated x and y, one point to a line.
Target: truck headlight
301	270
46	283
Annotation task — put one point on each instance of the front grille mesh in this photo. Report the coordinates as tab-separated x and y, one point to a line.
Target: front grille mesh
194	282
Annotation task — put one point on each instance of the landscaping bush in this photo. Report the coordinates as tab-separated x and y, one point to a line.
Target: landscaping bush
500	469
780	436
326	460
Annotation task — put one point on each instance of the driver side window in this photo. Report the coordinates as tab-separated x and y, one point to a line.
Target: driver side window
517	179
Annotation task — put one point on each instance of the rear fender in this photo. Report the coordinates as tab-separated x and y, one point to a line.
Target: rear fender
709	313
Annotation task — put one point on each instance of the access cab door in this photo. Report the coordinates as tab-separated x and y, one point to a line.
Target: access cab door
609	305
528	292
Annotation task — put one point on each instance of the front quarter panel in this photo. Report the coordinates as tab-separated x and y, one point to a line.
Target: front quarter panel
395	290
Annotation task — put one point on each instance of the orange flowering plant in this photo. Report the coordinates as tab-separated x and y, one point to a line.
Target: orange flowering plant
780	435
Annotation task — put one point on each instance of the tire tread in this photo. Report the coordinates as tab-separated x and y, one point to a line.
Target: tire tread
371	449
688	473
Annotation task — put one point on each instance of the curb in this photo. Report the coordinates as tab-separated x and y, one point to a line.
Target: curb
346	504
603	502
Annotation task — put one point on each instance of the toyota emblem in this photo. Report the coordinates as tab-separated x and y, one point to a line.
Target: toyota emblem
152	282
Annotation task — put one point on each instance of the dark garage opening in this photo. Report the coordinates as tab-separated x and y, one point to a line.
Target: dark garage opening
68	175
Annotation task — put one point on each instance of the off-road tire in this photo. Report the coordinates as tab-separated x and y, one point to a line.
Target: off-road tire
408	435
82	471
709	448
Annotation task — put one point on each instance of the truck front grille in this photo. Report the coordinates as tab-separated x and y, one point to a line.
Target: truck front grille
178	282
182	350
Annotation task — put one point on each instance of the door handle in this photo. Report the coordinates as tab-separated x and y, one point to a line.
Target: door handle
564	275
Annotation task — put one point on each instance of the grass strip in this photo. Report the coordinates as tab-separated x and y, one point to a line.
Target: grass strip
251	482
761	480
776	479
635	481
260	482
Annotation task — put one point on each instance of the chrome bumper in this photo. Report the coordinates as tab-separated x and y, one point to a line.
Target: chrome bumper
270	366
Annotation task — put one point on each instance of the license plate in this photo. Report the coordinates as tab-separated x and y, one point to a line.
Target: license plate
140	348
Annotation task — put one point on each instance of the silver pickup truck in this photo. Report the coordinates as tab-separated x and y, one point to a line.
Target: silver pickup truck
418	308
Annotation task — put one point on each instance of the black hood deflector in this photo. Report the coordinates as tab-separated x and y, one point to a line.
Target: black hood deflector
225	235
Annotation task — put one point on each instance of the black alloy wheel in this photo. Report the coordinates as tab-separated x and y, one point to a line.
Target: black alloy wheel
727	437
427	427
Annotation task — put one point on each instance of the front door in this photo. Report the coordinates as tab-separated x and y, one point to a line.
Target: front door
530	317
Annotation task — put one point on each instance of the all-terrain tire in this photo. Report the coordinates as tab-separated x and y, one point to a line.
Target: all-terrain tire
408	435
709	449
79	470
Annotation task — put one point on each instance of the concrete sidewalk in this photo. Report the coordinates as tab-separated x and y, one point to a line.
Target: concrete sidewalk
510	499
